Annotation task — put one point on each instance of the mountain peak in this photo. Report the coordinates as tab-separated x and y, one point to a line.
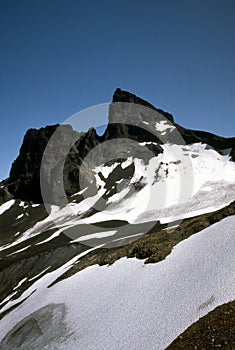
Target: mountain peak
126	96
24	180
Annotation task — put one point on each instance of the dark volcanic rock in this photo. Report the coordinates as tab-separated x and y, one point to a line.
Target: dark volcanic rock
126	115
216	330
232	153
189	136
4	195
24	180
217	142
86	142
125	96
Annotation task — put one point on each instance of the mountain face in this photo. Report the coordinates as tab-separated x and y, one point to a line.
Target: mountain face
74	200
24	182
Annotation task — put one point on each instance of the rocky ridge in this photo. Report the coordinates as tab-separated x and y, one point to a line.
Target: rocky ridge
24	179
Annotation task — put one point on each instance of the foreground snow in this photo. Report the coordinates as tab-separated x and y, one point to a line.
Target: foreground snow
128	305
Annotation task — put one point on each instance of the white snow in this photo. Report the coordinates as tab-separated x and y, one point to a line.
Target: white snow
23	204
181	182
19	250
19	216
184	174
80	192
163	126
95	235
204	201
105	170
47	279
177	192
55	234
56	214
39	274
118	196
7	205
8	298
20	283
148	143
127	162
130	305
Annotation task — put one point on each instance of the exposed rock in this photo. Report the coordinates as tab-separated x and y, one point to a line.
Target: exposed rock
24	179
217	142
154	246
216	330
4	195
232	153
125	96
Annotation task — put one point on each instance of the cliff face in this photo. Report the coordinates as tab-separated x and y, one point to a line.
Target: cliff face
24	179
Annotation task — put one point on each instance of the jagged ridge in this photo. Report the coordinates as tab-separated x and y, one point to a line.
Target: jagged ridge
24	179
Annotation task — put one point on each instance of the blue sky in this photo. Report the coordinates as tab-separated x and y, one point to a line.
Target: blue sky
61	56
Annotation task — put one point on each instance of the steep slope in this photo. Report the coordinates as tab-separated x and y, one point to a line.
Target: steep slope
128	305
215	330
79	199
24	182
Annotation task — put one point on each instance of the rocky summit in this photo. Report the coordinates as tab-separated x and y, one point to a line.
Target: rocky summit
24	179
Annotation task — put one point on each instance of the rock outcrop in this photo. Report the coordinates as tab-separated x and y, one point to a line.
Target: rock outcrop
24	180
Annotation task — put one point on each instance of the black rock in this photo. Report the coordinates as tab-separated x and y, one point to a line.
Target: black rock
125	96
24	180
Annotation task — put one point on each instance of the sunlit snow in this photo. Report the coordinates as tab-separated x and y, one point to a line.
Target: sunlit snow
7	205
130	305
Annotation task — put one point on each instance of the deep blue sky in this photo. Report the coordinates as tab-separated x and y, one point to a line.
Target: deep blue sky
60	56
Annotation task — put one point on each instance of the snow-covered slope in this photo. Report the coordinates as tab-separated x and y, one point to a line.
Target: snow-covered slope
141	178
128	305
165	189
171	186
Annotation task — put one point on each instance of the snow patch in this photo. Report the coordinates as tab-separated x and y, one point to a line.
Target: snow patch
19	216
6	206
163	126
95	235
133	306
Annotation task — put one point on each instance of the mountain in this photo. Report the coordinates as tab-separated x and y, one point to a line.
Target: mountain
24	180
106	241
